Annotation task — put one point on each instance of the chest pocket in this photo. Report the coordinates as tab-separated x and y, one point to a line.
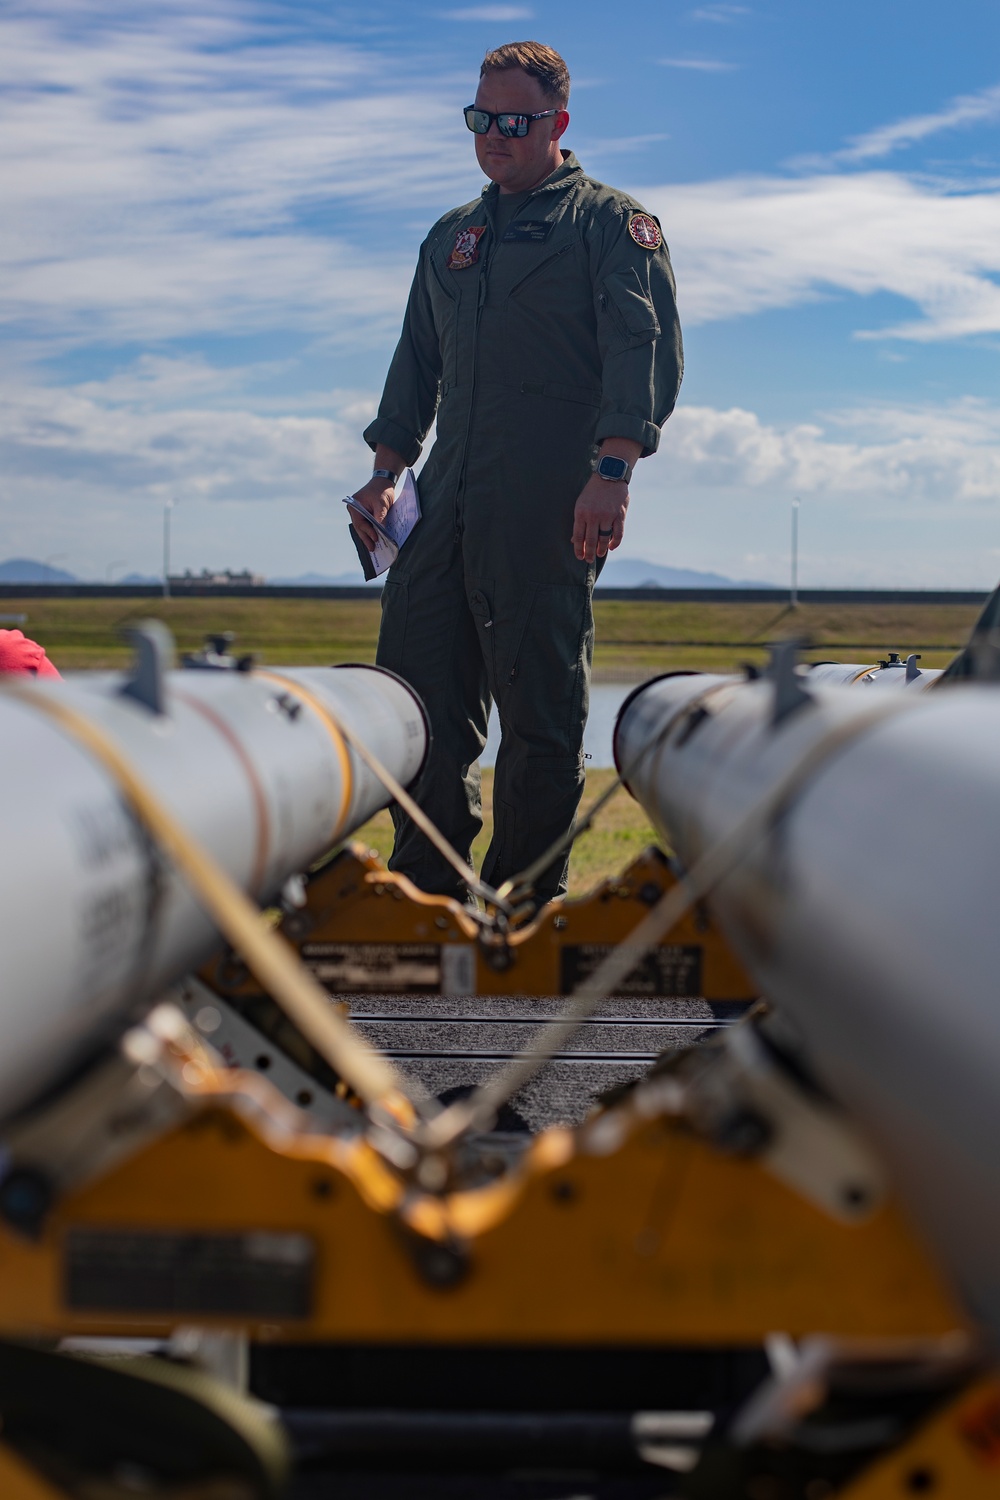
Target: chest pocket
626	305
547	263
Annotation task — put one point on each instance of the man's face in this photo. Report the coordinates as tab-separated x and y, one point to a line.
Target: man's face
518	163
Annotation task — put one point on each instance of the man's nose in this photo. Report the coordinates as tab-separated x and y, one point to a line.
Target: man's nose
494	129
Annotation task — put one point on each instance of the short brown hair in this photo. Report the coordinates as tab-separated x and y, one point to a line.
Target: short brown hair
535	59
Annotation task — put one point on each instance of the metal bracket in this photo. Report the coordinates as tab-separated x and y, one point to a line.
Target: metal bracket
114	1109
740	1095
154	656
783	670
240	1044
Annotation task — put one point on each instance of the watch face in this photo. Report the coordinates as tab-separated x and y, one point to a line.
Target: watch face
612	468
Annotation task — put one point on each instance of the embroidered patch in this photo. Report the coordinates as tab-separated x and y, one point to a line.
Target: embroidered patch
530	231
465	250
645	231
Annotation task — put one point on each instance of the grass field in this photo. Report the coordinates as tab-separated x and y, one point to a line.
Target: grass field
634	640
622	832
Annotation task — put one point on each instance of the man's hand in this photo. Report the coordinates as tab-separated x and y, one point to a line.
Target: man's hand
377	497
599	518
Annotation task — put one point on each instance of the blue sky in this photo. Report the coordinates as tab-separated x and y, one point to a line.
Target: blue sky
211	212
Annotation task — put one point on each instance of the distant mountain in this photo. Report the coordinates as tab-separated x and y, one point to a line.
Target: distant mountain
26	570
633	573
618	573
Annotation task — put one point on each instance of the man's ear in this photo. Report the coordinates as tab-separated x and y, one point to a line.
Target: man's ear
560	123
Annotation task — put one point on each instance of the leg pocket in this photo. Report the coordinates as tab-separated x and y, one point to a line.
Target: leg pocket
555	787
392	630
548	684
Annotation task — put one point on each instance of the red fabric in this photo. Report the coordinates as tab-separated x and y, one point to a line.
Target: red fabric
18	654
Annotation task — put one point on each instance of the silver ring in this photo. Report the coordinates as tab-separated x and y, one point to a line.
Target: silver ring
605	533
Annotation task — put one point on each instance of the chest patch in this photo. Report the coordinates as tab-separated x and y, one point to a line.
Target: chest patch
465	250
645	231
529	231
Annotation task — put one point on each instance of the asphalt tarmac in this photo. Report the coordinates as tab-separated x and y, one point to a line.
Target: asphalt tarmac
450	1044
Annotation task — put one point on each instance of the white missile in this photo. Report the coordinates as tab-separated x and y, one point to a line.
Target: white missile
93	923
891	673
867	911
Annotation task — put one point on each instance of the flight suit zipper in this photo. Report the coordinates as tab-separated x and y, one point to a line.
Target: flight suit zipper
480	299
541	266
480	302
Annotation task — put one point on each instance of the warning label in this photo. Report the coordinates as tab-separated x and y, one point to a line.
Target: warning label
671	971
359	968
346	968
257	1274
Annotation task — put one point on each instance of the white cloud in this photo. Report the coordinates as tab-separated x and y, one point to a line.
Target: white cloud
167	428
917	454
619	145
489	13
163	173
719	14
85	470
744	245
967	109
698	64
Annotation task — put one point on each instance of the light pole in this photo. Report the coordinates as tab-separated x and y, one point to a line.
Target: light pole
167	508
793	598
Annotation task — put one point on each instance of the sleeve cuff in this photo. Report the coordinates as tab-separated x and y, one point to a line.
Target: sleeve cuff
383	430
621	425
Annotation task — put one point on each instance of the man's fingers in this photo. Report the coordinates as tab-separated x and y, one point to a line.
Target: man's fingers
598	521
606	538
579	532
376	498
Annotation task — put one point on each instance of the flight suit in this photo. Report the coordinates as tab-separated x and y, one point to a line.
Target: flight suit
529	352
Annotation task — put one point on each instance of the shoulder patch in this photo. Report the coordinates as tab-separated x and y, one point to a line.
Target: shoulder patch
645	231
465	250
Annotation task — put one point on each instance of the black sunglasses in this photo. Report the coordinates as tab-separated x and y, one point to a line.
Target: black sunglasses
480	120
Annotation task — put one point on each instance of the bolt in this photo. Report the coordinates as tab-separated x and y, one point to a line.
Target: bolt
921	1481
25	1199
441	1265
744	1133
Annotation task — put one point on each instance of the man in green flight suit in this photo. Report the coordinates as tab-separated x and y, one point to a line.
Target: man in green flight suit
542	331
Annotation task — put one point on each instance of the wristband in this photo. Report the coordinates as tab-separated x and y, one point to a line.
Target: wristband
385	474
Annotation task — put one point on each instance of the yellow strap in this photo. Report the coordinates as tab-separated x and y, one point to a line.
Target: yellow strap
401	795
20	1480
274	964
335	732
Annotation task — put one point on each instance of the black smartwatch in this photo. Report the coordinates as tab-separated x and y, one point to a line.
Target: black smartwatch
615	470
